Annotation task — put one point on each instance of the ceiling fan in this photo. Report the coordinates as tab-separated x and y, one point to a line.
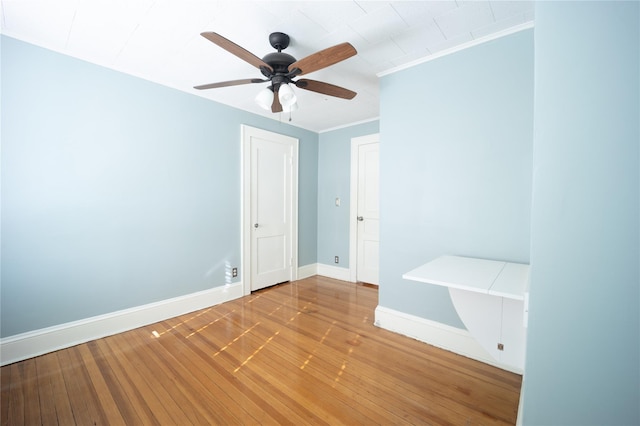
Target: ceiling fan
280	69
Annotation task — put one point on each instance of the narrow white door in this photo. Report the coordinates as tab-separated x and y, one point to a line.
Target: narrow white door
272	207
368	217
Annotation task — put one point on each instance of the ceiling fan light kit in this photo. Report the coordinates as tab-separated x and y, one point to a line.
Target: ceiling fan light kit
287	95
280	69
264	98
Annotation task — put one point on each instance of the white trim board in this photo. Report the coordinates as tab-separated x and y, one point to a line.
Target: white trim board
443	336
38	342
307	271
463	46
355	123
335	272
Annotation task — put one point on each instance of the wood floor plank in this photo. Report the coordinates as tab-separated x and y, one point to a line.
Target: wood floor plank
31	393
46	390
108	386
49	367
103	391
17	403
5	394
83	396
127	385
298	353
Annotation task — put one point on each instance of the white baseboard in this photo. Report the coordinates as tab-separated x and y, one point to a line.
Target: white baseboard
33	343
335	272
307	271
437	334
520	402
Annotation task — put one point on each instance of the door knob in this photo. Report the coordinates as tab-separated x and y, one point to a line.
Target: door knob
360	218
255	225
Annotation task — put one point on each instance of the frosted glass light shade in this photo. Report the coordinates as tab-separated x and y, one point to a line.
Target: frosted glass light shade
264	98
286	95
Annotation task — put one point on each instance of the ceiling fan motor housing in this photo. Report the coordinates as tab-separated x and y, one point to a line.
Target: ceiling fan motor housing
279	62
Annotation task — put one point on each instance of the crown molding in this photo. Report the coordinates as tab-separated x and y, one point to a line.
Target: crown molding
446	52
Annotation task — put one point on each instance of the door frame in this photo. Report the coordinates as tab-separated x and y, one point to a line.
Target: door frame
353	201
245	200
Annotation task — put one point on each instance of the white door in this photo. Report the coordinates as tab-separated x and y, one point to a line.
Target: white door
367	213
271	183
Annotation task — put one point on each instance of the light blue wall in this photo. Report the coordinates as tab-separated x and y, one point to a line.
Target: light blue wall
583	356
334	180
455	167
117	192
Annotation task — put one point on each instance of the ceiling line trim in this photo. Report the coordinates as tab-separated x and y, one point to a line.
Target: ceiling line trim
368	120
446	52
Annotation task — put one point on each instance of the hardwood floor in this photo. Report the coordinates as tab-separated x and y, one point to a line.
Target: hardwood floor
300	353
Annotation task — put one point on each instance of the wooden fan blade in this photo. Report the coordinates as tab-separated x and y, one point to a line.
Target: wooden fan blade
233	48
229	83
324	58
325	88
276	106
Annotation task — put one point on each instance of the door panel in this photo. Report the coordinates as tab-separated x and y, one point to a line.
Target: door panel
368	228
271	260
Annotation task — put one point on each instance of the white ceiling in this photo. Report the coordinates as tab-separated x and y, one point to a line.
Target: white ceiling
159	40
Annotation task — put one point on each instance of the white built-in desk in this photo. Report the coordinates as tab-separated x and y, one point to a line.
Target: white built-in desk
478	275
489	298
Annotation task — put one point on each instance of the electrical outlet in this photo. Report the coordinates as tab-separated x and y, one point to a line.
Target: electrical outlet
234	272
337	260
